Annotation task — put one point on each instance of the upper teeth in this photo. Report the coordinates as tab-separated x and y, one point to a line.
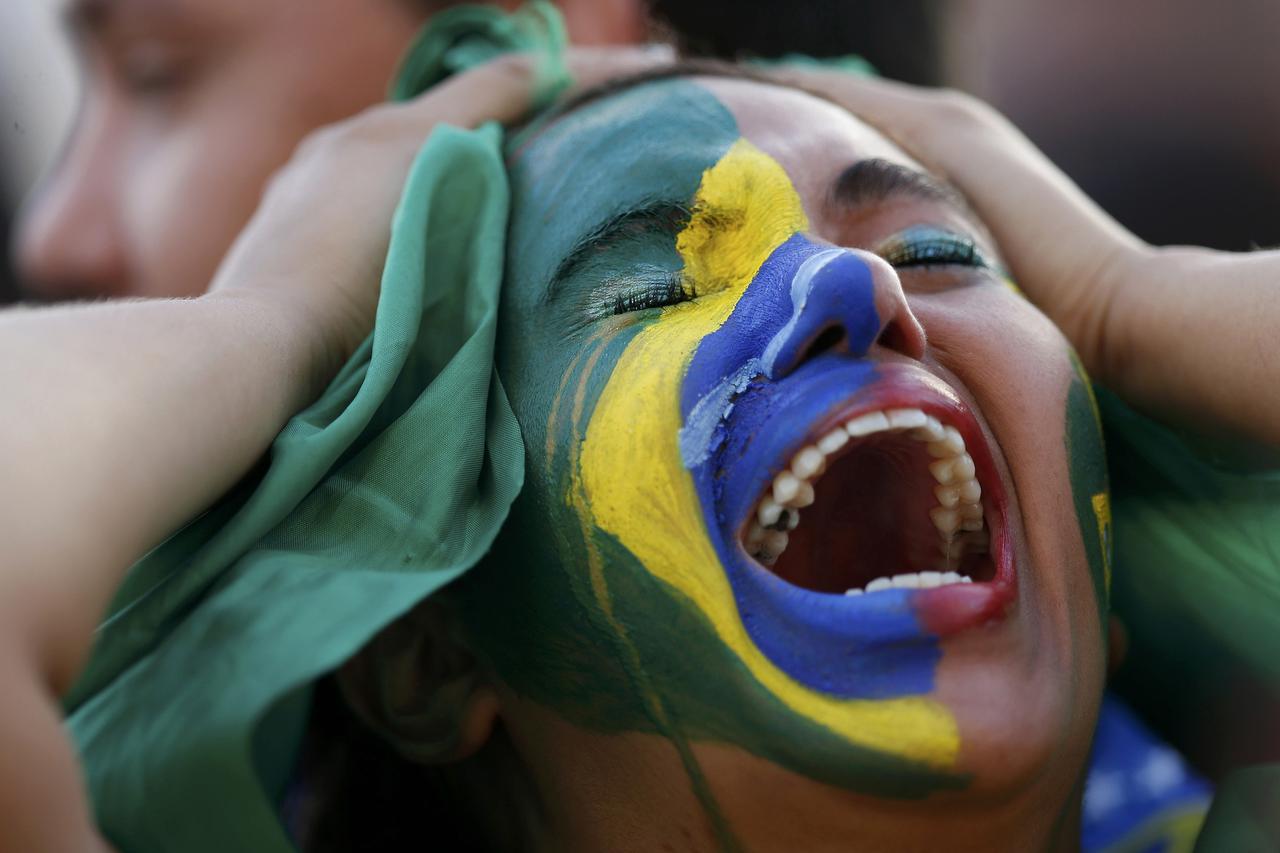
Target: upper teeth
957	517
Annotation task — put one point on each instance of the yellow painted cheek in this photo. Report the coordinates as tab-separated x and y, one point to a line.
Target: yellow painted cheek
745	208
632	484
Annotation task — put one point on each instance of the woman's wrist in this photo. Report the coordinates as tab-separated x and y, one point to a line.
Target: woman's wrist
1188	339
1108	324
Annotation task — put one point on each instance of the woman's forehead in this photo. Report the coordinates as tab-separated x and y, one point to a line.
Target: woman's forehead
667	117
647	144
812	138
652	142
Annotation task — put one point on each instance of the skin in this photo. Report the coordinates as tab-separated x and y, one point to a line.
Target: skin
189	107
613	668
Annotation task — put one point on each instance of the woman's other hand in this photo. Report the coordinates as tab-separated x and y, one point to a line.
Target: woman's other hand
1183	333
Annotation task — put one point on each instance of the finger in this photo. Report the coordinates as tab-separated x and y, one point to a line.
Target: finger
1068	255
501	90
591	67
1032	208
888	99
1006	178
505	89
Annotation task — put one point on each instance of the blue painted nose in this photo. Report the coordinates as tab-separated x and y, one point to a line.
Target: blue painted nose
847	301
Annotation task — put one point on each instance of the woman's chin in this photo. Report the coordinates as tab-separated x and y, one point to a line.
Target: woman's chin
1024	714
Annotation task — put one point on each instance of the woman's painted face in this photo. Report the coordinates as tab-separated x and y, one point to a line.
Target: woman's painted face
807	479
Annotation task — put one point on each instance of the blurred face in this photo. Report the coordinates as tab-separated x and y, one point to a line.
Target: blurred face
188	107
813	495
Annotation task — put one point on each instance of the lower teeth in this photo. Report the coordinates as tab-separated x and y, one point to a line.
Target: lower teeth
913	580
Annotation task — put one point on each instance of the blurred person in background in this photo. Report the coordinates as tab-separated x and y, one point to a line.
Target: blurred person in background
1154	107
189	106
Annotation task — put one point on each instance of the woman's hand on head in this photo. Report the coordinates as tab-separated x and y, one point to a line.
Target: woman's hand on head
1183	333
316	245
1063	251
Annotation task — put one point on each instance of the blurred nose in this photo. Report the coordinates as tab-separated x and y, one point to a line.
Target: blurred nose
844	300
69	243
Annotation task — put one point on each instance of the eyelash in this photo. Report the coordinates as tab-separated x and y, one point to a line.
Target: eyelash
931	249
928	248
652	293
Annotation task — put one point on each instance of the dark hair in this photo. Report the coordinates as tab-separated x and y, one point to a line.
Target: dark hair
354	792
899	37
696	67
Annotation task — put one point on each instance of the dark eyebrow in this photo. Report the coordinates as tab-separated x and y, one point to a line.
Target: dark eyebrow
661	217
876	180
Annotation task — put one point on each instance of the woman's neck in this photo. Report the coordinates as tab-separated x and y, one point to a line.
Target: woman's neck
637	792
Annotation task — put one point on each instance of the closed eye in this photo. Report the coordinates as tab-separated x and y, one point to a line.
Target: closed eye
927	246
662	219
640	289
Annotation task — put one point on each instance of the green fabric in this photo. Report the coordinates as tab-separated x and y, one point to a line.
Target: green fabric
466	36
190	712
850	63
1245	816
1197	584
1197	546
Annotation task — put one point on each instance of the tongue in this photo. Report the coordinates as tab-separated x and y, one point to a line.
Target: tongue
870	519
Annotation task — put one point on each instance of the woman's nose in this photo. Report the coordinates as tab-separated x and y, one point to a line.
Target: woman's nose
846	300
70	244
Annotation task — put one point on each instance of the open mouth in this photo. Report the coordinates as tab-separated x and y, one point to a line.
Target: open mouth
880	499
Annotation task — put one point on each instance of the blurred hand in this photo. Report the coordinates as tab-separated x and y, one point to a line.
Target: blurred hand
316	245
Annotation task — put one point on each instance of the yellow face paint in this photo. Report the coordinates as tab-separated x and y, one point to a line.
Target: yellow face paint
631	483
1102	512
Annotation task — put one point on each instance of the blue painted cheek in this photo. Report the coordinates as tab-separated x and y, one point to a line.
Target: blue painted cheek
749	400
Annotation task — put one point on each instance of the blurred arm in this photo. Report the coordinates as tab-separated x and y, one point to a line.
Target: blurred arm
122	421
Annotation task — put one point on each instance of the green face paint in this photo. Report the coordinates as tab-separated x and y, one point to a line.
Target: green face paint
567	613
1090	493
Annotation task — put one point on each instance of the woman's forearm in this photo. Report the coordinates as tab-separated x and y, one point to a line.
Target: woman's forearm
1192	336
123	420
